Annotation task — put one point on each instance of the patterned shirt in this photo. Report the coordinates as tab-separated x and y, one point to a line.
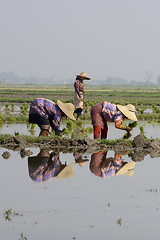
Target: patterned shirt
48	109
79	87
105	167
113	167
111	113
47	171
106	112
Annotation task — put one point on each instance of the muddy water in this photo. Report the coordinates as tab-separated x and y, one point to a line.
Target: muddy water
77	202
151	129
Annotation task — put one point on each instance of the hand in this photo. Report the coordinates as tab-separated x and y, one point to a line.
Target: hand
81	98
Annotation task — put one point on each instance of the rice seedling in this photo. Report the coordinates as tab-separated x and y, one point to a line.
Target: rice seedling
25	105
2	118
119	221
69	125
8	113
132	124
22	237
32	129
141	129
79	123
11	119
127	135
89	130
6	107
66	131
7	215
12	107
16	133
72	134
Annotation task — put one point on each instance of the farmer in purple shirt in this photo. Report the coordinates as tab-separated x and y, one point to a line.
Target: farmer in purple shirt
46	113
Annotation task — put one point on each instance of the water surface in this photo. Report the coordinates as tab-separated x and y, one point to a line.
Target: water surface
151	130
82	204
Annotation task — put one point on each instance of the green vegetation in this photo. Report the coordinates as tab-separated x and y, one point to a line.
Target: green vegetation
10	213
112	142
7	215
8	116
32	139
93	94
22	237
142	98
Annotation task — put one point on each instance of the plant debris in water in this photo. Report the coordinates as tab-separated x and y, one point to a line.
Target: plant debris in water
9	213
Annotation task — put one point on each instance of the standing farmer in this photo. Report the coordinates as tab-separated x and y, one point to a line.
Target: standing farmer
46	113
104	112
79	93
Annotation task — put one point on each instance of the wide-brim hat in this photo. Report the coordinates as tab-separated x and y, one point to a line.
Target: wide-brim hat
67	108
83	75
129	111
67	172
127	169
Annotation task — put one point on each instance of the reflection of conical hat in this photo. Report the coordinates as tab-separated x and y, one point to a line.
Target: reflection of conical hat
82	163
67	108
67	172
129	111
83	75
127	169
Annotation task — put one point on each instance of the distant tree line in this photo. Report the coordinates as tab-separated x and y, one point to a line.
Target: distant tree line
12	78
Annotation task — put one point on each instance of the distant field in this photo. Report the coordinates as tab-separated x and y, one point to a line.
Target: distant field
137	96
146	100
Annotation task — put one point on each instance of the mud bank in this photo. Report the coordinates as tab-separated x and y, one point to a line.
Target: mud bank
137	149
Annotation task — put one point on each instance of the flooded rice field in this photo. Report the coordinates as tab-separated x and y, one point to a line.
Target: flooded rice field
151	130
55	195
50	195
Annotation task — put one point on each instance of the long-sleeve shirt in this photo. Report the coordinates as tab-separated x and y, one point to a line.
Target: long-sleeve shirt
48	109
112	167
46	170
79	87
106	112
105	167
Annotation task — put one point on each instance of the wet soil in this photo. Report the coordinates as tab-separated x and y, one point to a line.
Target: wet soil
137	149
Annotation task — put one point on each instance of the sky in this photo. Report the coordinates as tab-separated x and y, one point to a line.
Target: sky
62	38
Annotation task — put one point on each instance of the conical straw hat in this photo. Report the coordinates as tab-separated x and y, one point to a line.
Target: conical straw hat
129	111
67	108
83	75
66	172
127	169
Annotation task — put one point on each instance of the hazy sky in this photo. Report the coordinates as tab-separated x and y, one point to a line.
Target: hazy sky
61	38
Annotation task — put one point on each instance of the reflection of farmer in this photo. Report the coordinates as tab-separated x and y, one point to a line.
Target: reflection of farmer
44	166
104	112
106	167
46	113
79	159
79	93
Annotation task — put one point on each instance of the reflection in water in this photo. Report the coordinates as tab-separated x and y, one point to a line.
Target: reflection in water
6	155
80	159
106	167
44	166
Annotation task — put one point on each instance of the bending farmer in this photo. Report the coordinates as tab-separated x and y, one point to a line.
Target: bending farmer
104	112
43	112
79	93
